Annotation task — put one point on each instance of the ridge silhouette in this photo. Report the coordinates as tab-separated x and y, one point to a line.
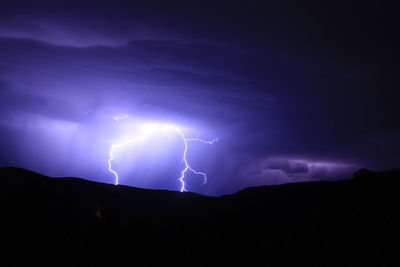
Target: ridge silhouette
75	222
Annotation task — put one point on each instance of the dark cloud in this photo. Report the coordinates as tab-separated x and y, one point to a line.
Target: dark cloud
290	167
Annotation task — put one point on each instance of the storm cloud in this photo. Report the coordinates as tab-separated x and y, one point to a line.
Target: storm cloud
283	103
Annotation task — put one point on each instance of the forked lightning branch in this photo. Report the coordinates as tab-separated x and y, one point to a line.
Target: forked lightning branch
146	131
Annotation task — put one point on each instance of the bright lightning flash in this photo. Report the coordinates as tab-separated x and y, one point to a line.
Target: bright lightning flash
148	129
115	146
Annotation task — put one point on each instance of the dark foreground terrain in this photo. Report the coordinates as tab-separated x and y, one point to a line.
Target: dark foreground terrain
74	222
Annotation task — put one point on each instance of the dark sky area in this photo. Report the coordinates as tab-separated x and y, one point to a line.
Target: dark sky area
293	90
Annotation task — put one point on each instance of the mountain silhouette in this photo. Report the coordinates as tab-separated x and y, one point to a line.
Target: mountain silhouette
75	222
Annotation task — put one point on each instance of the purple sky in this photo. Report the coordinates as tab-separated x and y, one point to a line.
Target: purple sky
293	92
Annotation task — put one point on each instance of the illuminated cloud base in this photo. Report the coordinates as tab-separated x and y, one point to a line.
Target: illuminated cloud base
145	130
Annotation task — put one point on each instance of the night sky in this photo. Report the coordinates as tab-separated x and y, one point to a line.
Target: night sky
293	90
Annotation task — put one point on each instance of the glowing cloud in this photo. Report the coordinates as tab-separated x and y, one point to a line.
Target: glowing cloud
146	130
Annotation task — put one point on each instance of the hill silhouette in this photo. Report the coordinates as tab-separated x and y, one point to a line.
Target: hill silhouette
75	222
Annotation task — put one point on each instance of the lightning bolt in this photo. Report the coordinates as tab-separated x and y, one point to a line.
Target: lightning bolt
115	146
185	161
126	141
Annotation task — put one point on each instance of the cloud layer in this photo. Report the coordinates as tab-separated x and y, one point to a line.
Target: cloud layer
288	101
